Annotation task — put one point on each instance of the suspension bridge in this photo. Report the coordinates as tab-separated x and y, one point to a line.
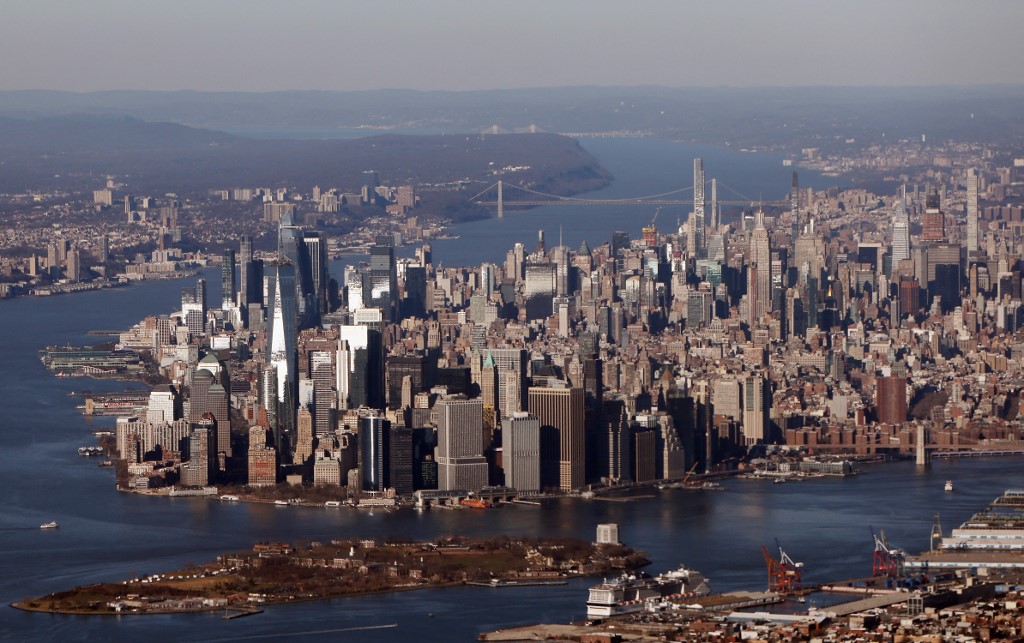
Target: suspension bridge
494	197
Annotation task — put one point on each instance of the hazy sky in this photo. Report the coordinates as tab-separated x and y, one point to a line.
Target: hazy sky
477	44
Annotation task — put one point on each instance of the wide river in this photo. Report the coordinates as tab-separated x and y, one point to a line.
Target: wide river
106	536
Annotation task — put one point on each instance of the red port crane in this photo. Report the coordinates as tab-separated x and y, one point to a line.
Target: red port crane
887	560
784	575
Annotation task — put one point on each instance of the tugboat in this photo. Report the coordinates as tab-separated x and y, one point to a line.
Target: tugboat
949	485
49	525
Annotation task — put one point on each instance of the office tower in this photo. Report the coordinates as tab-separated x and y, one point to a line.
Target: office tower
398	368
208	397
262	459
415	302
563	271
891	399
282	353
316	265
752	295
489	386
972	211
645	454
540	289
202	458
487	279
946	285
400	460
247	284
292	250
540	249
909	297
900	236
699	306
520	441
460	461
761	257
933	221
561	414
360	367
164	404
374	434
325	399
380	282
227	280
303	436
756	402
510	364
201	295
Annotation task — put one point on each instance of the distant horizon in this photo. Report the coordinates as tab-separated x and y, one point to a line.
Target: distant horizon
123	90
464	45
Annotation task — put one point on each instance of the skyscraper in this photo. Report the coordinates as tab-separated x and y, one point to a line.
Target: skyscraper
900	235
460	461
933	221
698	207
291	249
756	402
794	199
520	435
282	353
972	211
316	266
560	412
227	280
373	453
247	283
891	399
380	284
761	256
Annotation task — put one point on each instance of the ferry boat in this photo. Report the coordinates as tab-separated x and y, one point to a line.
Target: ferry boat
949	485
49	525
631	592
332	503
229	498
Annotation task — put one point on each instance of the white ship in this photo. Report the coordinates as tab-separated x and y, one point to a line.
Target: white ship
631	592
949	485
49	525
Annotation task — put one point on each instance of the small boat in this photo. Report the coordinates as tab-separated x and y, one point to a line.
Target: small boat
106	463
229	498
49	525
332	503
949	485
779	480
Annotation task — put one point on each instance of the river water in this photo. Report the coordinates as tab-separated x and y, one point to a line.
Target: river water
107	536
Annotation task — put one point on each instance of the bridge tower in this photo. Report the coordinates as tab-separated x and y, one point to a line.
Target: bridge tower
922	455
501	201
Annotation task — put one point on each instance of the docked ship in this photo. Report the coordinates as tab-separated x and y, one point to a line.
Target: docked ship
631	592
